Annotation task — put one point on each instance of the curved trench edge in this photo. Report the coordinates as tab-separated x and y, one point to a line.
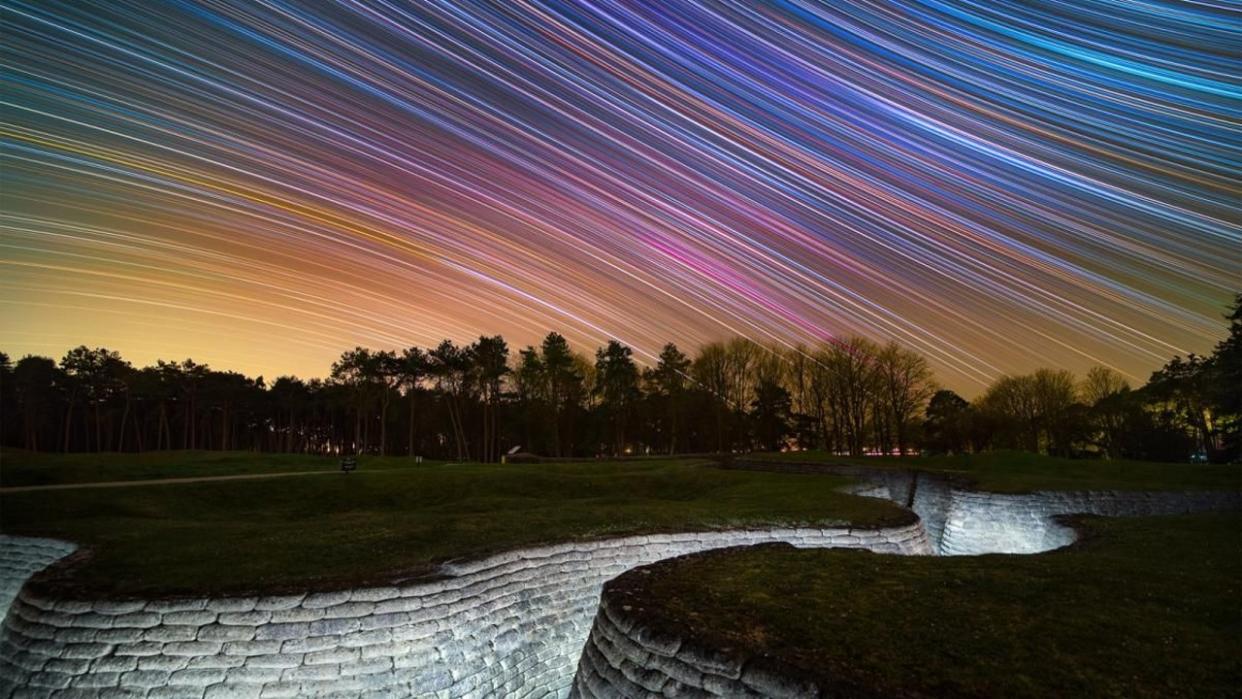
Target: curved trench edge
513	624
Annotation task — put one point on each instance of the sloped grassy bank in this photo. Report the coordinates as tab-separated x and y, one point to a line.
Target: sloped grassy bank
1141	607
336	531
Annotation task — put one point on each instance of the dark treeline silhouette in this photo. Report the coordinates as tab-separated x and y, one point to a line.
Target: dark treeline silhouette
477	401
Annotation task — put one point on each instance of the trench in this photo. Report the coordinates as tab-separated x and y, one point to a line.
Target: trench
512	625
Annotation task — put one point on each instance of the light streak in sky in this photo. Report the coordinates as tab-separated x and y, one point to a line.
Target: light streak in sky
999	185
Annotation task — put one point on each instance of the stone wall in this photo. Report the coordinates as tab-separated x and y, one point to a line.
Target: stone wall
22	557
960	521
627	657
978	522
509	625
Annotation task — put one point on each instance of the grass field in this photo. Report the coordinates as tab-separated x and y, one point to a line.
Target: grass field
1006	471
22	468
1009	471
394	518
1139	608
336	530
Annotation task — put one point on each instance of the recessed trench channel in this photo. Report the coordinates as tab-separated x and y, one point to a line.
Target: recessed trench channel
965	522
513	624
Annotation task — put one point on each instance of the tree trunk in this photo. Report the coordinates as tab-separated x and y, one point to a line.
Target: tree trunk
29	437
459	433
672	425
384	427
164	438
410	448
719	429
225	431
138	428
461	430
484	449
68	424
556	431
120	446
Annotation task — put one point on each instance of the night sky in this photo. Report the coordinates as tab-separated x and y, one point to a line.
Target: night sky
259	185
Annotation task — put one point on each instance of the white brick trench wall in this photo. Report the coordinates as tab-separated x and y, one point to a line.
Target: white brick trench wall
624	657
512	625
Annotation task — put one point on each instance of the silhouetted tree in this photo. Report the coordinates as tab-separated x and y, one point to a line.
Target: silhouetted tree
385	373
92	376
411	370
711	372
291	401
616	384
8	401
1226	387
1033	412
1181	390
355	370
1105	393
948	425
853	378
770	415
562	384
36	384
667	382
451	367
491	365
905	384
530	386
848	395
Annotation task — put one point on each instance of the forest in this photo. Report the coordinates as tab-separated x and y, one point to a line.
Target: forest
480	401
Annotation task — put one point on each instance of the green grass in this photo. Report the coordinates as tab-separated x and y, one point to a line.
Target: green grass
23	468
1013	471
998	471
1140	608
377	526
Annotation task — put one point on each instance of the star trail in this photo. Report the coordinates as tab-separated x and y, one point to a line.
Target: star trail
259	185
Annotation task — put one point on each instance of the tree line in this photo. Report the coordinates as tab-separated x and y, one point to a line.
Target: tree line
478	401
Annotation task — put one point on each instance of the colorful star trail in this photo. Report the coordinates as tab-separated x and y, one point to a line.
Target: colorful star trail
260	184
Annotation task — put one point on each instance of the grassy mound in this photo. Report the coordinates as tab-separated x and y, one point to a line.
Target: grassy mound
375	526
1139	608
1016	472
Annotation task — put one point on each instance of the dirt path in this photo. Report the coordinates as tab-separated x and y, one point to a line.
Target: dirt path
172	481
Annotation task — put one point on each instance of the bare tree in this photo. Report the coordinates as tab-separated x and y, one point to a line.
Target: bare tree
1011	401
711	372
1103	391
905	385
1100	383
853	379
1036	407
